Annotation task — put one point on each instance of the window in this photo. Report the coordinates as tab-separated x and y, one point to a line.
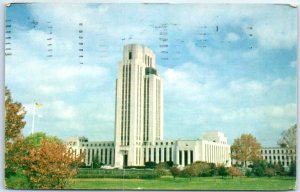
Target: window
130	55
277	151
180	157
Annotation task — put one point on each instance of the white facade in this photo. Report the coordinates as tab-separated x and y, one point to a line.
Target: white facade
139	105
103	150
139	122
181	152
276	155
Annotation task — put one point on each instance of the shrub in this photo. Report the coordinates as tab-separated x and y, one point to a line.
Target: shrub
162	168
258	168
126	174
270	172
292	169
189	171
234	171
18	181
248	173
150	165
204	169
222	171
174	171
170	164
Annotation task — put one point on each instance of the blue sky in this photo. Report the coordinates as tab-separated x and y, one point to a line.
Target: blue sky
230	68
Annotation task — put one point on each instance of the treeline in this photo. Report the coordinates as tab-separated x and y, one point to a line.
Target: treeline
258	168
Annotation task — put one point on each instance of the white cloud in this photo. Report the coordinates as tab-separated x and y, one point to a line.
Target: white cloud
284	82
232	37
247	87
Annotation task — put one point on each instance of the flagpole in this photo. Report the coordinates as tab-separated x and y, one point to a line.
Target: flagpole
33	118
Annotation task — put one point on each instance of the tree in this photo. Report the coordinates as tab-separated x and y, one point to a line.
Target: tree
175	171
222	171
258	167
38	161
234	171
245	148
288	138
292	169
14	123
14	117
50	166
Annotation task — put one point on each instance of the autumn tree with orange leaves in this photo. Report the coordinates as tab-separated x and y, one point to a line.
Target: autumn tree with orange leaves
14	123
51	165
43	162
245	149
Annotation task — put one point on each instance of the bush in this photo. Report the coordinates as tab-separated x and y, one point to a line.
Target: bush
292	169
150	165
234	171
222	171
17	181
204	169
162	168
174	171
170	164
248	173
126	174
270	172
258	168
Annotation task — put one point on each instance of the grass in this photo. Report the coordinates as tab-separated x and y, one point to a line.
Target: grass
198	183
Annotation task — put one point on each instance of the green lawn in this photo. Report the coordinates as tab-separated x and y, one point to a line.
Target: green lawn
199	183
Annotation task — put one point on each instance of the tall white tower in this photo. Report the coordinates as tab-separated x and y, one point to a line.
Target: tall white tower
139	105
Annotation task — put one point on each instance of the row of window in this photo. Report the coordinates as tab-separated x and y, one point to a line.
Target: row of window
185	161
104	155
148	60
158	154
276	151
97	145
282	157
125	118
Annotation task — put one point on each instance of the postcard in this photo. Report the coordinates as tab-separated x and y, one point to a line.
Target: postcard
150	96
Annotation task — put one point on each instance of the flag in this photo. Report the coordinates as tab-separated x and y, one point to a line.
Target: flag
38	105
